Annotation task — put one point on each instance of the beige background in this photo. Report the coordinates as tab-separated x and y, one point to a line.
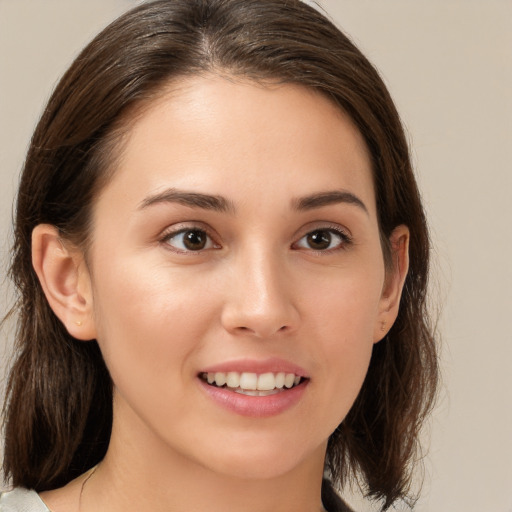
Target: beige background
448	64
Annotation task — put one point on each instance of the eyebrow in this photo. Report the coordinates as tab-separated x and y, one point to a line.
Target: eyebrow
221	204
191	199
327	198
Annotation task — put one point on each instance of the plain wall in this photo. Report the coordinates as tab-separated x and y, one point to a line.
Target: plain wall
448	65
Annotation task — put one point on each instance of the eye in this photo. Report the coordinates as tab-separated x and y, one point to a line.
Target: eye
323	240
189	239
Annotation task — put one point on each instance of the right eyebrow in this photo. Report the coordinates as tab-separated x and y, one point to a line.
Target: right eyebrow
191	199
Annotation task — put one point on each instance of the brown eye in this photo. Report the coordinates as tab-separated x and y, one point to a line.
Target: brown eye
319	240
323	240
195	240
189	240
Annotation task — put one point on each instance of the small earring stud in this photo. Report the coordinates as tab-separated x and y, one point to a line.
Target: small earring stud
79	323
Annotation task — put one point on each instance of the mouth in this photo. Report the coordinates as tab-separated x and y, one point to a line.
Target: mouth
253	384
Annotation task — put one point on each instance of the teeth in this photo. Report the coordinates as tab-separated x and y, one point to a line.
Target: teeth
219	378
233	380
266	382
288	380
251	383
256	392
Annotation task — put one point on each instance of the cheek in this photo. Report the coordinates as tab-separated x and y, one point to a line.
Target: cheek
344	317
149	321
346	305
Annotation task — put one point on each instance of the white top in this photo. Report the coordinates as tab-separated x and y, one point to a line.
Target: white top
22	500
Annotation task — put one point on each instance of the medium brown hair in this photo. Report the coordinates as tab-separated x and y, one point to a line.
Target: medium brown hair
58	411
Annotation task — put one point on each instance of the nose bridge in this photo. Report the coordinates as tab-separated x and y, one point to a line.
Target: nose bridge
261	301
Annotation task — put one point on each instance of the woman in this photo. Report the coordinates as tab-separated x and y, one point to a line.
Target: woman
222	262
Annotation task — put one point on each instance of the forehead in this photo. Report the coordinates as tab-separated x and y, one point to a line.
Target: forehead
224	134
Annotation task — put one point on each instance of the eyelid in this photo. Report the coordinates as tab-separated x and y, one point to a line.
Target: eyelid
327	225
182	227
340	231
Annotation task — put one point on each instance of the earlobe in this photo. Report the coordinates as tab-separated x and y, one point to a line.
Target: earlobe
65	281
394	282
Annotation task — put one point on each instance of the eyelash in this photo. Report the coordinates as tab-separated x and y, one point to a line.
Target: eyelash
170	235
344	239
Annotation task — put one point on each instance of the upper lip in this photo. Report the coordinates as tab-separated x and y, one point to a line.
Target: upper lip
271	365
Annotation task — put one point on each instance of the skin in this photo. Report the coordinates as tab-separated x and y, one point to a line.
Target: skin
258	289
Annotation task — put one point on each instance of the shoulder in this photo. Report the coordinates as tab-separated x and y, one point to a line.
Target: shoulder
21	500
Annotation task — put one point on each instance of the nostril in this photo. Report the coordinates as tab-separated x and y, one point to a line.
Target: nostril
242	328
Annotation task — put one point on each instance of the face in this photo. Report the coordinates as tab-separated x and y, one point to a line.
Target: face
237	241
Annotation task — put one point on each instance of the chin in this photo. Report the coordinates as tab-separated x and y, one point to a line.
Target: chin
264	461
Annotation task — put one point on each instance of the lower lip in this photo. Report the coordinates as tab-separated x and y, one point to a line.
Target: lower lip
255	406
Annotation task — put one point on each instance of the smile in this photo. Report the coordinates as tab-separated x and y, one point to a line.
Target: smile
252	384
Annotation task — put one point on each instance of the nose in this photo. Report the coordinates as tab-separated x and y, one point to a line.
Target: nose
260	300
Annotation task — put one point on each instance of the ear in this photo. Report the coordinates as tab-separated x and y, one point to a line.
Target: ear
65	280
394	282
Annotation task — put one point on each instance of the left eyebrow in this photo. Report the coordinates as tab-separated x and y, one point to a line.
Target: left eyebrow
327	198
